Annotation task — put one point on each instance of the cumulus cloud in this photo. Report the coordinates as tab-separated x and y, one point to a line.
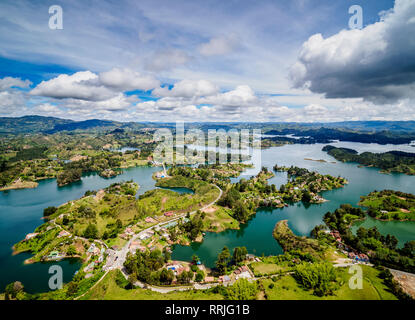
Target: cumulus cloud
80	85
219	45
86	85
376	63
188	89
127	80
9	82
241	96
118	103
11	101
12	98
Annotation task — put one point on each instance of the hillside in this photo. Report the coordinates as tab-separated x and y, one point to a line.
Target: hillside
48	125
391	161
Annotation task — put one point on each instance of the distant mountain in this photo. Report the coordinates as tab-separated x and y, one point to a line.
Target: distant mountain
30	124
402	126
40	124
85	125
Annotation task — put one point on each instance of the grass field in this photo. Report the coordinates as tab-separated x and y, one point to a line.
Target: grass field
262	268
219	219
108	289
286	288
390	206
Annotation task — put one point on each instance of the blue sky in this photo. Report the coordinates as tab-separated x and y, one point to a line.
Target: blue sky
208	60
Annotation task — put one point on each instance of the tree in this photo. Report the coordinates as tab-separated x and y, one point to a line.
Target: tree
195	259
200	275
314	233
71	251
239	254
223	260
241	213
72	288
49	211
321	277
306	196
391	241
242	289
91	231
167	254
361	233
166	276
409	248
185	277
13	290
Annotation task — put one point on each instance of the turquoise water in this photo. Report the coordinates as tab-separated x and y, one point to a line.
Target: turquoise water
180	190
21	211
256	234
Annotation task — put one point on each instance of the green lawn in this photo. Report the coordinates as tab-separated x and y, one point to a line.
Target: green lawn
219	219
262	268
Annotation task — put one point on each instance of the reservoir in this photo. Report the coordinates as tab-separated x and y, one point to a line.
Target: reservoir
21	210
256	234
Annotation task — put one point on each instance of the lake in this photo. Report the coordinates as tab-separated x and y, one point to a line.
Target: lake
256	234
21	210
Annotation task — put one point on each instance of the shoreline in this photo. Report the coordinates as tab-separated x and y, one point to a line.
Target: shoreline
17	185
34	184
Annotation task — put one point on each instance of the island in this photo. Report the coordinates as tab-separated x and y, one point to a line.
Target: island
390	205
391	161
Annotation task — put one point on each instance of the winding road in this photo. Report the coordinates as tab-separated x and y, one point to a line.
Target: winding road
121	255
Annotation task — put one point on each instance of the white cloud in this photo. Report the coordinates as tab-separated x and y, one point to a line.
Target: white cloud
9	82
11	101
118	103
188	89
241	96
219	46
127	80
376	62
89	91
315	110
80	85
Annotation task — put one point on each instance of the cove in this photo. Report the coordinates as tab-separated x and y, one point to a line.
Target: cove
256	234
21	211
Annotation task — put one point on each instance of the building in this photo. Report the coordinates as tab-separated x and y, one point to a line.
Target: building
129	231
30	236
93	249
224	279
242	272
150	220
63	233
250	257
144	236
